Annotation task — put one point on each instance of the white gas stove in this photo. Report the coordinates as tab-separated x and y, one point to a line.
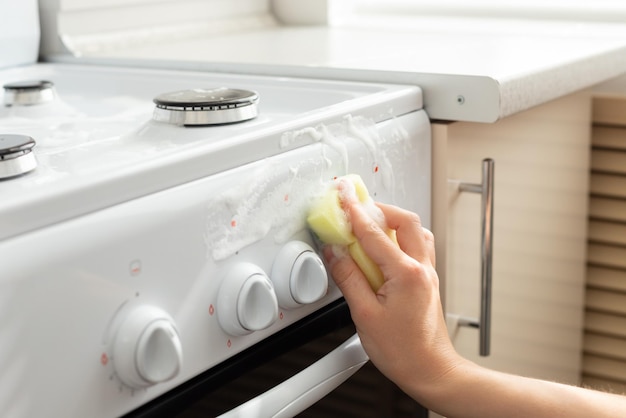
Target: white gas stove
152	223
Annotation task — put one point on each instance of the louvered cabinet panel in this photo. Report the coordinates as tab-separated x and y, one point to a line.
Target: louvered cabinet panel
606	368
604	359
609	110
605	323
606	301
607	209
608	186
607	278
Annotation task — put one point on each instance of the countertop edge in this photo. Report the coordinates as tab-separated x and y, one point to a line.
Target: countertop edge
526	91
447	97
450	97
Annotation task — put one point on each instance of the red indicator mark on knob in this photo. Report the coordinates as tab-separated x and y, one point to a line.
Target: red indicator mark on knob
376	168
229	343
211	309
104	359
233	223
281	316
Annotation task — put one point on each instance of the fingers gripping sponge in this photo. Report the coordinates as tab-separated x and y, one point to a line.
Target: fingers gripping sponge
331	225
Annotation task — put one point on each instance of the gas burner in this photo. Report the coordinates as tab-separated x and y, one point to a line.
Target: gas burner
28	92
16	156
201	107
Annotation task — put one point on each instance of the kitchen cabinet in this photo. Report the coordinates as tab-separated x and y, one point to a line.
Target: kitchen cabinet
540	230
604	343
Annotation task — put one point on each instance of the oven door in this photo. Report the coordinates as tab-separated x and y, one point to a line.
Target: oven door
232	388
272	379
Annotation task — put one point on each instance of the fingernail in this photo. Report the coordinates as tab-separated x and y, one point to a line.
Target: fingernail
347	191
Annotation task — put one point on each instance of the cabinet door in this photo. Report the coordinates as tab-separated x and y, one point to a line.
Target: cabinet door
541	183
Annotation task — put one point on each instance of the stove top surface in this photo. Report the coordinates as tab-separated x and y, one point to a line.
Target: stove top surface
101	141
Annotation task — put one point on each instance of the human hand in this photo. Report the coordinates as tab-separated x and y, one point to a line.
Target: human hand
402	326
402	329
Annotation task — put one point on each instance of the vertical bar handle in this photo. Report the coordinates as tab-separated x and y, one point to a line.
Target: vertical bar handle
486	191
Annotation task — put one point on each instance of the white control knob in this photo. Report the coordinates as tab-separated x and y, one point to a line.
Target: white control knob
147	349
246	301
299	275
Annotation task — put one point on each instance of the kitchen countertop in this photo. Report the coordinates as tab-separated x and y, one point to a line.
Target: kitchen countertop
475	69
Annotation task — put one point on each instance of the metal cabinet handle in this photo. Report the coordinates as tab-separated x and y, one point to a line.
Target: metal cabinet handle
486	191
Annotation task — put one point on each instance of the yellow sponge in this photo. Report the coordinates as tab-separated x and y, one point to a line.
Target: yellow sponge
328	220
330	223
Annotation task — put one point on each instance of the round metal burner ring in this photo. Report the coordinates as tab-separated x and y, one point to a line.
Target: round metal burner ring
29	92
202	107
16	156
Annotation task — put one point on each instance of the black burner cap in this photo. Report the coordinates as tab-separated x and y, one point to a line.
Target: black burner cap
14	145
26	85
206	98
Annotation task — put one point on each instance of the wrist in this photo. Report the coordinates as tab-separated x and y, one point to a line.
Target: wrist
451	373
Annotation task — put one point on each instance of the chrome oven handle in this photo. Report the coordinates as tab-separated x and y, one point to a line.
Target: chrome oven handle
486	191
302	390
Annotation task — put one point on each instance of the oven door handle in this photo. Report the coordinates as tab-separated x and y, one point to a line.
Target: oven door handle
302	390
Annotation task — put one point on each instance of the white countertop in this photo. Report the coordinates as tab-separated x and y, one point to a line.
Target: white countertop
470	69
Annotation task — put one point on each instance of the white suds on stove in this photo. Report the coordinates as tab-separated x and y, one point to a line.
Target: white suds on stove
347	192
274	199
58	127
291	137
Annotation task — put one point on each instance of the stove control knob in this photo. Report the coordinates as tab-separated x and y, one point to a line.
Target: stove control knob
147	349
246	301
299	275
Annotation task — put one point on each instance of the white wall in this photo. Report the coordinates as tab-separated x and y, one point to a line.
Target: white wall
78	24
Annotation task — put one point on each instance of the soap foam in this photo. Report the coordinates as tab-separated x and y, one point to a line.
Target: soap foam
334	141
275	199
289	138
347	192
58	127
